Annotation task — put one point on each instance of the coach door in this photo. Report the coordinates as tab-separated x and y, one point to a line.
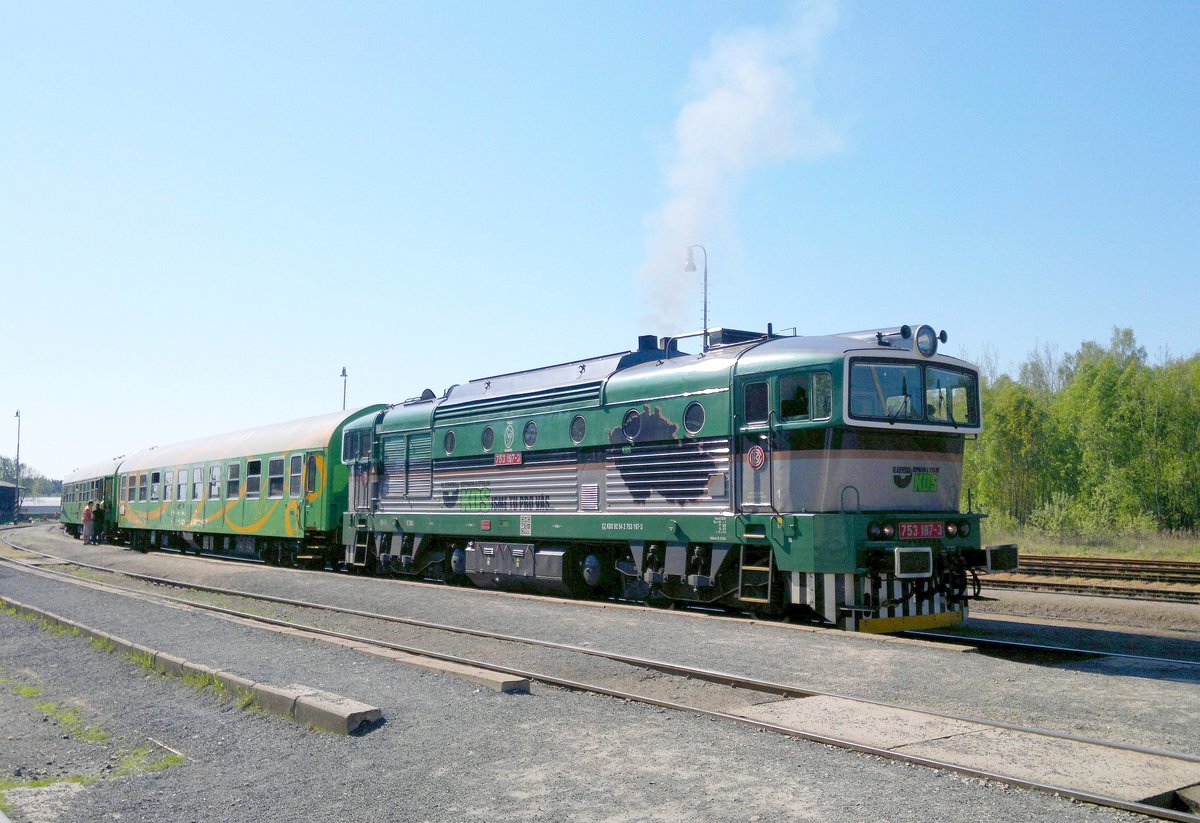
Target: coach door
314	482
753	420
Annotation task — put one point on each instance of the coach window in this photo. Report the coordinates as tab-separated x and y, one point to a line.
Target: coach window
124	489
141	487
275	477
197	483
181	485
253	478
233	481
755	403
310	484
214	482
295	467
168	486
155	480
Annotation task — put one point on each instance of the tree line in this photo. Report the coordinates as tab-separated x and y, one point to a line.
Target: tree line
1091	444
34	483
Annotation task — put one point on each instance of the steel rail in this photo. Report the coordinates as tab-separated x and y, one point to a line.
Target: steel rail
580	686
1129	592
1039	647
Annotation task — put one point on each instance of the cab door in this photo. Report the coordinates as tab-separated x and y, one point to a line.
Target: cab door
753	417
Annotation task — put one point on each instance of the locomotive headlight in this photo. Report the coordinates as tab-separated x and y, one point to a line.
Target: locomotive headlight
889	531
951	529
964	528
927	341
874	532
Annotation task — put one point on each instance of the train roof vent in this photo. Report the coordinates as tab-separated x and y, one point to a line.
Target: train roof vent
732	337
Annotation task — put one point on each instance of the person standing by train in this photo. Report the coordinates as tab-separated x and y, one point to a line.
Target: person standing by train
89	522
98	525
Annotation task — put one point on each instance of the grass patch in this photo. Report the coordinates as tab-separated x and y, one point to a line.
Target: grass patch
142	659
139	760
1182	546
104	644
204	680
26	691
71	720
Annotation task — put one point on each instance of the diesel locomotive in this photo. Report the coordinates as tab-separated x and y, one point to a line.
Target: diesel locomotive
813	477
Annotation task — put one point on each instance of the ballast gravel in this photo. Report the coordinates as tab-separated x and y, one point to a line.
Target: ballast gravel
449	750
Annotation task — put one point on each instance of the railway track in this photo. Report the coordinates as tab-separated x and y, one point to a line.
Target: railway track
1113	568
1099	576
774	707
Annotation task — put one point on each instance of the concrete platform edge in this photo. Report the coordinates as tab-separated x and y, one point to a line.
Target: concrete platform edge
321	710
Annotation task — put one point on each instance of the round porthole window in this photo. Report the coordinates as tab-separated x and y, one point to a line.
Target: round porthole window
578	429
530	435
693	418
488	439
448	442
631	426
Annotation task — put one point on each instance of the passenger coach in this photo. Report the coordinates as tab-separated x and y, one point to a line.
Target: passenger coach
275	492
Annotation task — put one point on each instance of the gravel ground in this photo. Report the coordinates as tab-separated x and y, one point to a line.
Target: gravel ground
449	751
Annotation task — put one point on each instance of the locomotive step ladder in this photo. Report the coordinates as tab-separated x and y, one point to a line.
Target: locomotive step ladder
755	572
362	541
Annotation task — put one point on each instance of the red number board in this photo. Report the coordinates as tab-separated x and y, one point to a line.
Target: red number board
922	531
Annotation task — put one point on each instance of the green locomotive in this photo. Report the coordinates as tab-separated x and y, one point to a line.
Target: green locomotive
810	476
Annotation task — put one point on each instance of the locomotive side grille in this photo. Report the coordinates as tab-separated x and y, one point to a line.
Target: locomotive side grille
420	465
667	475
587	394
546	481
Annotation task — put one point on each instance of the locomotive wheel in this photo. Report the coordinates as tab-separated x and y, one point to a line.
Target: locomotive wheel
588	573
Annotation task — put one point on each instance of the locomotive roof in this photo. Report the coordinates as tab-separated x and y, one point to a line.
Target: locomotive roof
625	376
307	433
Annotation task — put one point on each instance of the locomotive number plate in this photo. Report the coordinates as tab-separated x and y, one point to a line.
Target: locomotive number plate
921	531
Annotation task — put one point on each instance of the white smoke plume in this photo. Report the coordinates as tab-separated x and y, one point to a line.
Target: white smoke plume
751	104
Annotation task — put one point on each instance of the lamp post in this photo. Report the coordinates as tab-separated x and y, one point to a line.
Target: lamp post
691	267
17	499
343	388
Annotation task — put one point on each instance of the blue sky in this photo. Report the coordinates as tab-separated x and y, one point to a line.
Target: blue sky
207	209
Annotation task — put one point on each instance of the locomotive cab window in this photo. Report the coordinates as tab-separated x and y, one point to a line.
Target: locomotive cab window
896	391
793	394
755	403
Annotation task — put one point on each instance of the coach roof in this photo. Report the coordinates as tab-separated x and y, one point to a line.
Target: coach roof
295	435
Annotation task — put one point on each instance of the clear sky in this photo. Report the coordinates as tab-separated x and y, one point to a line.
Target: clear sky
207	209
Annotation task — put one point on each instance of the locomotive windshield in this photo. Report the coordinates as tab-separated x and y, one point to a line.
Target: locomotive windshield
905	391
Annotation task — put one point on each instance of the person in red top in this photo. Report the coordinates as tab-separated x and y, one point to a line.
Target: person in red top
89	523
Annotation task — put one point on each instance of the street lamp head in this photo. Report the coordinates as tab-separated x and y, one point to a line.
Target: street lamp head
691	260
343	374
